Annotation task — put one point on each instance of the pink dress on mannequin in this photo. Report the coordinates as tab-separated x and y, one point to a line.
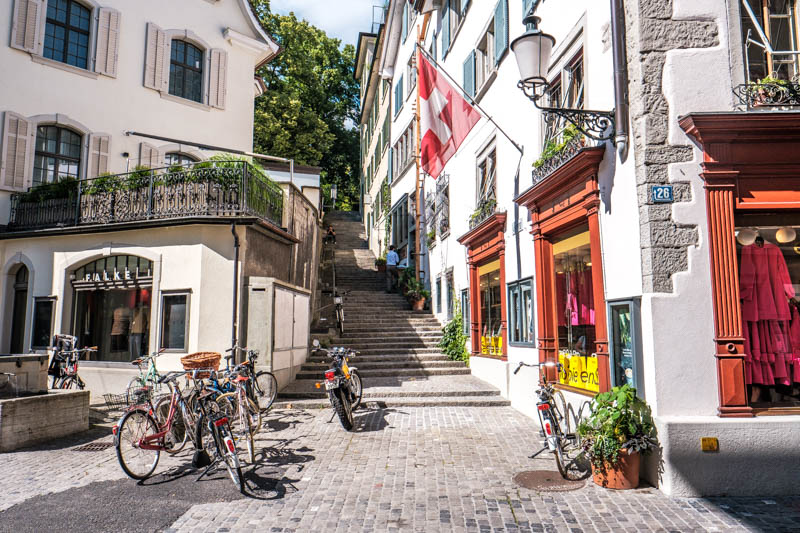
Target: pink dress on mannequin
765	289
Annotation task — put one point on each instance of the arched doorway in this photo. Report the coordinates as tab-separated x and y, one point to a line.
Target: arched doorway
19	309
113	306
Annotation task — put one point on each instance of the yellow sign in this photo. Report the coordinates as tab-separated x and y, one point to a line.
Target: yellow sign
492	345
579	371
709	444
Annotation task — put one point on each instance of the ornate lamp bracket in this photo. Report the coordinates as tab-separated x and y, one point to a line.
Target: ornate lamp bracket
597	125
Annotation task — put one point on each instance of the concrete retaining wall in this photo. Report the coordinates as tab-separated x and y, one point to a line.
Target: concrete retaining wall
34	419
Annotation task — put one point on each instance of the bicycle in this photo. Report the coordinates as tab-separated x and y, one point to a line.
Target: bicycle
559	424
64	364
241	410
263	388
213	427
139	439
146	379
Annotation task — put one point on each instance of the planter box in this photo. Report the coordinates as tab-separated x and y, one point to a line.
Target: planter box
34	419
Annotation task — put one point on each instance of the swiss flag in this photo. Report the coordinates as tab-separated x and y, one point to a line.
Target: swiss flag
445	118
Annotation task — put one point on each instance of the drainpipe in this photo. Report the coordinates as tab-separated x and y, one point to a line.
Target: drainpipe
235	287
622	106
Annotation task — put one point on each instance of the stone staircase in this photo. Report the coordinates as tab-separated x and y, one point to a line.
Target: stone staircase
399	359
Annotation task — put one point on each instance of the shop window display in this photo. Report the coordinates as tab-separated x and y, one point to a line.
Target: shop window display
768	251
491	313
575	310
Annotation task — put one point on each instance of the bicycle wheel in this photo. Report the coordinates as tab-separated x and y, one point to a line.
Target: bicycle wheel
69	382
356	388
136	462
560	411
340	320
177	436
266	389
229	403
232	463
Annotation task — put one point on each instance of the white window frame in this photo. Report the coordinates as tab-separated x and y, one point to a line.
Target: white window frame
162	316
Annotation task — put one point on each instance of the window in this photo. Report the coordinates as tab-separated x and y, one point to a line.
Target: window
452	14
177	158
57	156
411	75
465	310
42	323
777	21
174	321
186	71
439	294
484	58
520	312
566	91
66	36
491	309
451	294
404	150
487	183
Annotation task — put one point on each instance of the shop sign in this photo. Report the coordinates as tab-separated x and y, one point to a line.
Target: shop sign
662	194
492	345
579	371
116	275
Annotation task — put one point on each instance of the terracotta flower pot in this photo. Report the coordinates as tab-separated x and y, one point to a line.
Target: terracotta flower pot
381	268
418	305
621	476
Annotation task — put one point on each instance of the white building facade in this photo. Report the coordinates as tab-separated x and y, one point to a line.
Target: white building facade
619	260
117	222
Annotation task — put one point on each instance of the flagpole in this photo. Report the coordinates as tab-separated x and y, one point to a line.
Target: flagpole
418	240
466	96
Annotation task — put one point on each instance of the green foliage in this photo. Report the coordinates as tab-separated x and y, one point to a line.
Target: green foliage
381	261
139	178
454	342
63	188
483	210
552	148
618	421
311	104
406	275
415	289
431	237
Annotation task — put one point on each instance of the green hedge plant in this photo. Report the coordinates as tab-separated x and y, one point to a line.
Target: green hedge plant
454	342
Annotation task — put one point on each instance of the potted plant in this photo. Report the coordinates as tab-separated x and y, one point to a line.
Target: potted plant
380	263
618	430
416	294
406	274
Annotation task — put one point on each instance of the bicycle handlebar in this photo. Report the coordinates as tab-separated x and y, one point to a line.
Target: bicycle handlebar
171	376
547	364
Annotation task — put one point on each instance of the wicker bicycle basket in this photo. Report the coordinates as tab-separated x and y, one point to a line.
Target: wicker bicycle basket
204	360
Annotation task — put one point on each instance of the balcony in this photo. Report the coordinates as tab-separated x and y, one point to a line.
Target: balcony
485	209
211	189
556	152
769	94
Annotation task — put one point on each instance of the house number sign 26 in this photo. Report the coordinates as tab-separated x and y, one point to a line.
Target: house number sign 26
662	194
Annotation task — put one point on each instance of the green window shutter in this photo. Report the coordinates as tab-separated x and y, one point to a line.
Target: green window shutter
500	30
391	162
405	21
398	95
469	74
446	28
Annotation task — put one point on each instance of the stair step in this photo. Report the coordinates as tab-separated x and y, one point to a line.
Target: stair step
322	366
395	372
384	402
400	358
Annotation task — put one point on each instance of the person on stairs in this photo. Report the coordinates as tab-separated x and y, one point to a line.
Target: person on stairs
391	269
330	236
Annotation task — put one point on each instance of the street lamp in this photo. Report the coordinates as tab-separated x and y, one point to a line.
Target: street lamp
532	50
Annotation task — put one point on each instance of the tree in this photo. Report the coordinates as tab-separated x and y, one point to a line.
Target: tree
310	107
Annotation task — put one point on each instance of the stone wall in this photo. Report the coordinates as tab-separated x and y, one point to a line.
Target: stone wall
33	419
651	32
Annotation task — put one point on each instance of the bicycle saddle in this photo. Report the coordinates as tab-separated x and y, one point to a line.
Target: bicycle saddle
136	362
239	379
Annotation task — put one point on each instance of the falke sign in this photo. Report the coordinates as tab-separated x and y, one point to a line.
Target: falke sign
117	275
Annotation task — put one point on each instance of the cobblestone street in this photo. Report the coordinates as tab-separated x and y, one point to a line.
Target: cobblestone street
404	469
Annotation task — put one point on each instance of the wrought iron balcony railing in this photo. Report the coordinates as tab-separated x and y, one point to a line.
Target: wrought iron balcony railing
564	153
205	189
771	94
486	208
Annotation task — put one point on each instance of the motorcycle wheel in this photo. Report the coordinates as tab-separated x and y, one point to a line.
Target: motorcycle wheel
341	404
356	388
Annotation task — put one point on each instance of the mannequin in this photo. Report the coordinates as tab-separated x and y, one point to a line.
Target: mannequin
138	329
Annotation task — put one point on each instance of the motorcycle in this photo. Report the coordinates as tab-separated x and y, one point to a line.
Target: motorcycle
342	383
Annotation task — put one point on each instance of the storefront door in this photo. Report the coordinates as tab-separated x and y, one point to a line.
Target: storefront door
113	307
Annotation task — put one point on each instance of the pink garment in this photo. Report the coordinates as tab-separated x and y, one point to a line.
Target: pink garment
765	289
794	337
764	284
586	298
